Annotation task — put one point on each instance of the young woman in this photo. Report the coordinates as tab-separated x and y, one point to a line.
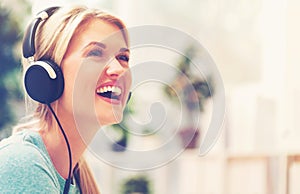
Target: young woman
94	65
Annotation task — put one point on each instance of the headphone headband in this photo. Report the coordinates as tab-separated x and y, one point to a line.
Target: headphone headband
29	42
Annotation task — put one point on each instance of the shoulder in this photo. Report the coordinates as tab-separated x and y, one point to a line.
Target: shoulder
23	168
19	150
19	155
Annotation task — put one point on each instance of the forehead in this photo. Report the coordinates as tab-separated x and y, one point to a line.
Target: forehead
97	30
98	26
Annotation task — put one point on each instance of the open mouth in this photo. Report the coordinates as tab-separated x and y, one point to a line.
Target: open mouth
110	92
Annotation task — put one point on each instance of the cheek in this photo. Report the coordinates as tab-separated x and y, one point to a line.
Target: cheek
128	76
81	78
127	79
79	87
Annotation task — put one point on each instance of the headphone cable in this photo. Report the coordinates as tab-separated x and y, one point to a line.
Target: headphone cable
68	181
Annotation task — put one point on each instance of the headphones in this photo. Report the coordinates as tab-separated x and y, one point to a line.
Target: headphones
43	80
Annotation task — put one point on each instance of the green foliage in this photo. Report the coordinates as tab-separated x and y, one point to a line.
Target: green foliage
193	88
137	184
10	88
122	128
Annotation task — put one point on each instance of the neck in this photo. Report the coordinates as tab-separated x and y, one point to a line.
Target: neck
57	147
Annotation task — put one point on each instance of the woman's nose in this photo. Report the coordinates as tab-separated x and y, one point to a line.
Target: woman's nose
115	69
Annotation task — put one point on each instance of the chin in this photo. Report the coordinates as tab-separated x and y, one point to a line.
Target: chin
117	119
110	119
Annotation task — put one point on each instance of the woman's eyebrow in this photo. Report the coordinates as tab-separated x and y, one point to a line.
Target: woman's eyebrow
124	50
95	43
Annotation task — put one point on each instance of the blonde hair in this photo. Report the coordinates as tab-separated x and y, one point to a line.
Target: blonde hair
52	40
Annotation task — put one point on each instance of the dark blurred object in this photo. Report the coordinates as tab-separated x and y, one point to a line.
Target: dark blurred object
10	86
136	184
189	137
120	144
193	89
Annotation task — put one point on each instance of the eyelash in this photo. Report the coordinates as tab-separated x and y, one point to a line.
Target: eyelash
122	58
99	53
95	52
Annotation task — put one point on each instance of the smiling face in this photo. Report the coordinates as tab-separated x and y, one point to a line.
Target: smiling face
96	74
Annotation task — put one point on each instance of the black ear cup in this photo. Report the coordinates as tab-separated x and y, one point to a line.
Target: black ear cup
44	81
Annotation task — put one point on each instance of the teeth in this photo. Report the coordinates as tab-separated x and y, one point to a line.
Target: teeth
116	90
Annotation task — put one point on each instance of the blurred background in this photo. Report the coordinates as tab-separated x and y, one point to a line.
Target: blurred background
254	44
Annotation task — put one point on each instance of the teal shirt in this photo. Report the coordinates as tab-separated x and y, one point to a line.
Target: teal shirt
26	167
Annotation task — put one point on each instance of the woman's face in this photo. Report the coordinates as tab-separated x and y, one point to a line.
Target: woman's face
96	74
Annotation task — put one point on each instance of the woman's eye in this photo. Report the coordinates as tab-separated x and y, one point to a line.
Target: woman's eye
123	58
95	52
